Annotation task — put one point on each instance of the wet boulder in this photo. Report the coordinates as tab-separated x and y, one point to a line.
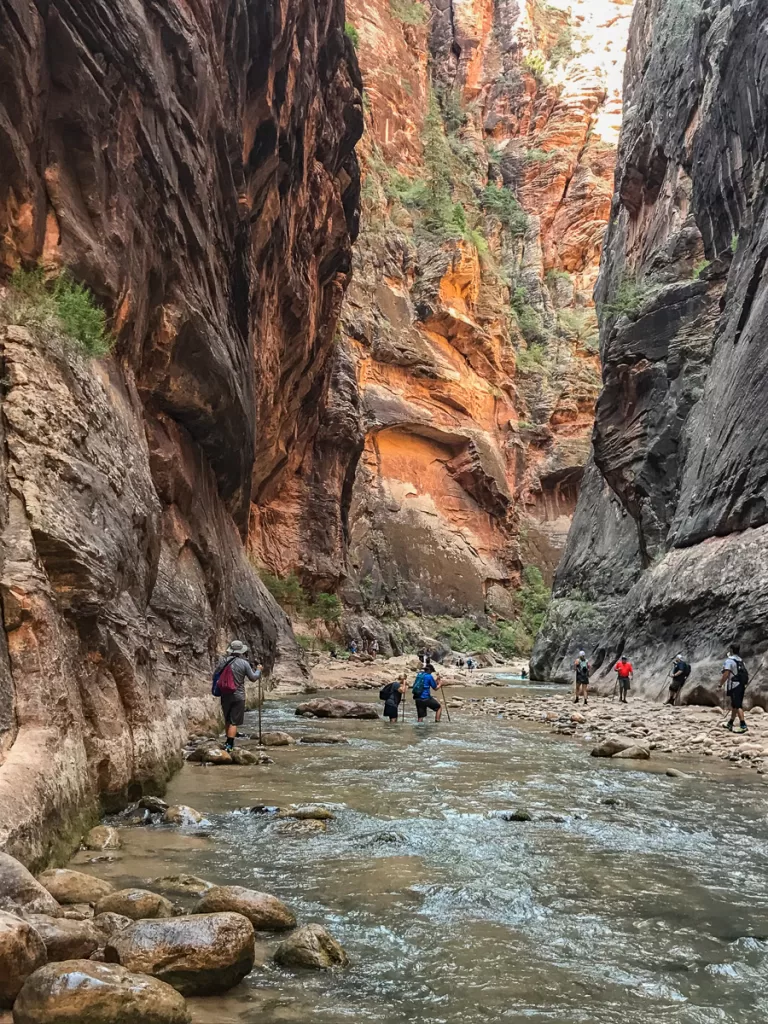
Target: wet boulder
85	992
266	913
307	813
153	804
180	814
22	951
210	753
300	829
136	904
242	756
19	890
311	946
517	815
102	837
200	954
107	924
636	752
611	745
320	737
69	886
330	707
65	939
182	885
277	739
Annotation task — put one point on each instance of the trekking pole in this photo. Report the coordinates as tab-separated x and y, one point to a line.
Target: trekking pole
447	712
261	701
664	685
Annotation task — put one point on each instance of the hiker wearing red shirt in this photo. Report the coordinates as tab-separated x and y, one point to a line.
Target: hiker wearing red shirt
624	677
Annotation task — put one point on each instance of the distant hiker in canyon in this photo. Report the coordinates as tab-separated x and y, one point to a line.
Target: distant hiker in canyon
392	694
229	684
680	672
735	678
422	693
623	677
582	668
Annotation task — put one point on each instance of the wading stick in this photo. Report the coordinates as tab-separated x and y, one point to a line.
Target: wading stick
261	699
445	703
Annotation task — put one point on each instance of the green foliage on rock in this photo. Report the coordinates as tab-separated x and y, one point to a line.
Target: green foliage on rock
699	267
292	597
527	316
501	203
352	34
627	300
409	12
580	327
57	306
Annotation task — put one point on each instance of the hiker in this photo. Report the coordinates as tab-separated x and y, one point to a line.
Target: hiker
229	684
470	664
374	647
422	693
582	667
523	674
623	677
735	677
353	647
392	694
680	672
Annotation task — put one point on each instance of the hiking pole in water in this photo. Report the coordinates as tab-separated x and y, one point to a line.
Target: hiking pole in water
447	712
261	700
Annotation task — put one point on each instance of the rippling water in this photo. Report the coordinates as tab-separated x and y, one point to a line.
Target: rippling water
649	903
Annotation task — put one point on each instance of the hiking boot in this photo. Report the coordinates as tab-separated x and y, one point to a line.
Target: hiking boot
743	727
575	700
728	725
585	702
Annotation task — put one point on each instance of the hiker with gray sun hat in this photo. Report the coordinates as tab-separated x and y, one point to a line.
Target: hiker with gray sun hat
229	684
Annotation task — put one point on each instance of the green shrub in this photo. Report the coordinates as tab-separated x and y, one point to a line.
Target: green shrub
306	643
534	598
286	590
563	47
58	306
528	318
627	299
734	243
536	64
553	276
411	192
352	34
452	107
580	326
537	156
409	12
699	268
499	201
326	607
531	359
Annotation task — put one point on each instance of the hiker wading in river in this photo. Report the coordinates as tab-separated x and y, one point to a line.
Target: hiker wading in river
422	694
229	684
735	677
392	694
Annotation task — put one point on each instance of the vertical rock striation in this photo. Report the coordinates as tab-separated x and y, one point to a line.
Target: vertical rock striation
668	545
193	164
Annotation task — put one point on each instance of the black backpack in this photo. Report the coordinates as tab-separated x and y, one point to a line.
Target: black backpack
742	676
684	669
386	691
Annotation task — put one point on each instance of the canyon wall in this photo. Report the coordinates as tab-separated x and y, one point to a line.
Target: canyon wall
467	351
193	164
669	543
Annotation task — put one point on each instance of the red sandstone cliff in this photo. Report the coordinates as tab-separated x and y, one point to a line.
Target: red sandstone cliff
193	164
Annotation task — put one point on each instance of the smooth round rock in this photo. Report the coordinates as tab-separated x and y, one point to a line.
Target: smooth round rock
65	939
308	813
136	904
266	913
107	924
634	753
277	739
22	951
20	890
153	804
311	946
182	885
102	837
200	954
180	814
69	886
86	992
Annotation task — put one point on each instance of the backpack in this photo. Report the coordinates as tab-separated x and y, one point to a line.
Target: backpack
582	672
685	669
742	676
418	687
386	691
224	681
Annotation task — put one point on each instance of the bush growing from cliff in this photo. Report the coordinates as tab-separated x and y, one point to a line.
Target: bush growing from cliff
57	306
352	34
580	326
528	317
292	597
409	12
499	201
627	299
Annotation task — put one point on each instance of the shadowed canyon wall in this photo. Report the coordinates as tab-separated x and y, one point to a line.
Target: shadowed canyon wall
465	367
193	164
669	543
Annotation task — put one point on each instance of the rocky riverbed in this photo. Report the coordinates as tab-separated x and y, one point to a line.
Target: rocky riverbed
690	731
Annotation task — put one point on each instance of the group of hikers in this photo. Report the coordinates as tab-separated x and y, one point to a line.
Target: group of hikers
734	677
426	681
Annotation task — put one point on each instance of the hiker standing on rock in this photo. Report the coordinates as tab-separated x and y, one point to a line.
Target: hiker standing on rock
735	677
229	684
392	694
582	667
623	677
680	672
422	693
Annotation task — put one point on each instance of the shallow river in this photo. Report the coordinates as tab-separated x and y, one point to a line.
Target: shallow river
648	904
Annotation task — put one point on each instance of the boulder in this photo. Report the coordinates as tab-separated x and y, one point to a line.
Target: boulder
65	939
200	954
308	813
85	992
19	890
266	913
153	804
78	912
635	753
182	885
611	745
319	737
22	951
311	946
180	814
108	923
209	753
103	837
330	707
69	886
301	829
277	739
519	815
136	904
242	756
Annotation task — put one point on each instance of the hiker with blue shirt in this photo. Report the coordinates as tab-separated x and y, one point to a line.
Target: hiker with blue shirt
425	683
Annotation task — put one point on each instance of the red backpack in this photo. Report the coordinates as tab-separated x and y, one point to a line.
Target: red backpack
224	681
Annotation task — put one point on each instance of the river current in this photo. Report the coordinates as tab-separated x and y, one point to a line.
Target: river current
644	898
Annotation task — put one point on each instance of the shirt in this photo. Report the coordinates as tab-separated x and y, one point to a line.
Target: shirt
429	683
241	669
624	668
731	665
582	670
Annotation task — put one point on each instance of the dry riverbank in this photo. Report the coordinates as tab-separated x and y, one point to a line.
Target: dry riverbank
356	673
689	731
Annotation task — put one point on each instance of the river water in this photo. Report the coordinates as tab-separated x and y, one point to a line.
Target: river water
648	903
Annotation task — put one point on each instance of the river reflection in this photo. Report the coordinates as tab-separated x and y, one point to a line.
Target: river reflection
647	903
